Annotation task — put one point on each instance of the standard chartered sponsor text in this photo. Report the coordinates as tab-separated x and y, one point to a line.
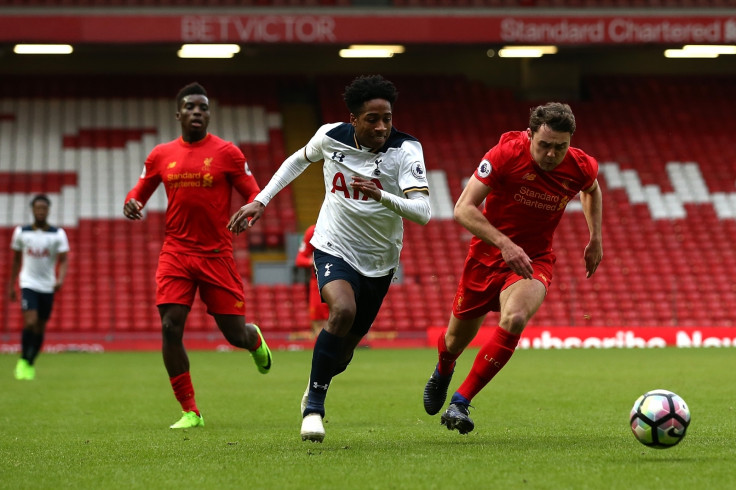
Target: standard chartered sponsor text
185	179
535	199
616	29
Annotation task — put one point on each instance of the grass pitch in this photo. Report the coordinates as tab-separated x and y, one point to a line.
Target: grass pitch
551	419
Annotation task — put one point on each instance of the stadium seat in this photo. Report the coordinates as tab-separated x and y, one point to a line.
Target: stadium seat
655	266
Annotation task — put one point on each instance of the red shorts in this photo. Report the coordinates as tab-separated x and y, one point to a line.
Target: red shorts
480	285
220	287
317	309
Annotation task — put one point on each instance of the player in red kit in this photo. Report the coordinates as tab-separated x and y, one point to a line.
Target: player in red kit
199	171
318	310
526	181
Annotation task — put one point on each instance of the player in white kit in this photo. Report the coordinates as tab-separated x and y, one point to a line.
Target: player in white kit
374	177
37	249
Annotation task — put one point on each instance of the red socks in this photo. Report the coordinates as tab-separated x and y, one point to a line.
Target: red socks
184	392
446	364
490	359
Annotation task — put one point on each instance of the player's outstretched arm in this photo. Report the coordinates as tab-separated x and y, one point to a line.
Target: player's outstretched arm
246	217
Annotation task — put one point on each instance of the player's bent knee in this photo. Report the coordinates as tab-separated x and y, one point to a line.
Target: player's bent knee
172	333
340	321
514	323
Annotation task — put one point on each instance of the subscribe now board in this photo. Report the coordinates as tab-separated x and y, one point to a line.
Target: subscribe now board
610	337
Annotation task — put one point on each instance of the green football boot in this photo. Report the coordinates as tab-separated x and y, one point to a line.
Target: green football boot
262	355
188	420
24	371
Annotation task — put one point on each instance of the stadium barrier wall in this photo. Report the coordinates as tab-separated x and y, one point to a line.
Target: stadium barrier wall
532	338
609	337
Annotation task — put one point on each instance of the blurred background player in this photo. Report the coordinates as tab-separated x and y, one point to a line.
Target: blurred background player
318	310
526	181
37	251
199	171
374	177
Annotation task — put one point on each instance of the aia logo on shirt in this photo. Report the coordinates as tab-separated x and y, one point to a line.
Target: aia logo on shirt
340	186
38	253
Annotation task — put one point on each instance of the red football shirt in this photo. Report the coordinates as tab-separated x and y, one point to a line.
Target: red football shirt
199	179
526	203
306	249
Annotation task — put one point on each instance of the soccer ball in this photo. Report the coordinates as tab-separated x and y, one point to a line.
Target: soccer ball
659	419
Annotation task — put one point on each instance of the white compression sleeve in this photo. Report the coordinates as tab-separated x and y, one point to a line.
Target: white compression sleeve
415	208
292	167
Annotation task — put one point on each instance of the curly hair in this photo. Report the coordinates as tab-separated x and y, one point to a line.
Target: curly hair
557	116
193	88
365	88
42	198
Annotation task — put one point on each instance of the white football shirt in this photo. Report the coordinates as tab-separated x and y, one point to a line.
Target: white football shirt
356	228
40	249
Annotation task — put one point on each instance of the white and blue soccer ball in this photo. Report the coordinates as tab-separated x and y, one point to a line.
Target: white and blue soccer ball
659	419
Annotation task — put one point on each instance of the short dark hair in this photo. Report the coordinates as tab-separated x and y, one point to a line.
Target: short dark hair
193	88
557	116
40	197
365	88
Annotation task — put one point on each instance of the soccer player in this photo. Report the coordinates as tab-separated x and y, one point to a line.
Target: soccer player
199	171
318	310
526	181
38	250
374	176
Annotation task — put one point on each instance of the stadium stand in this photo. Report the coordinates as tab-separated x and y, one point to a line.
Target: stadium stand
86	153
667	174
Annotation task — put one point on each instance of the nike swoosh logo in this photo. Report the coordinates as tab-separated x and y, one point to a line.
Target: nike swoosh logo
268	366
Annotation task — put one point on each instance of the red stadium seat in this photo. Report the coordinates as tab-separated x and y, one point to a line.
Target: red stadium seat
654	272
